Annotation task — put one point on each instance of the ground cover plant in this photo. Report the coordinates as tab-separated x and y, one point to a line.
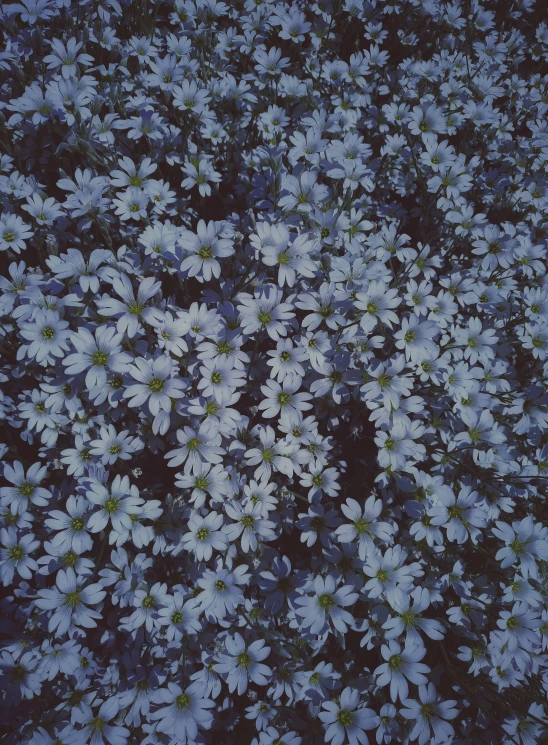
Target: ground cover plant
273	379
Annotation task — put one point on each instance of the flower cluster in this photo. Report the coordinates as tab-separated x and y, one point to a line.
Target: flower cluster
273	378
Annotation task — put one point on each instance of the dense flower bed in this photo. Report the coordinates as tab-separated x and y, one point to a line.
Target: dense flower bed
274	343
